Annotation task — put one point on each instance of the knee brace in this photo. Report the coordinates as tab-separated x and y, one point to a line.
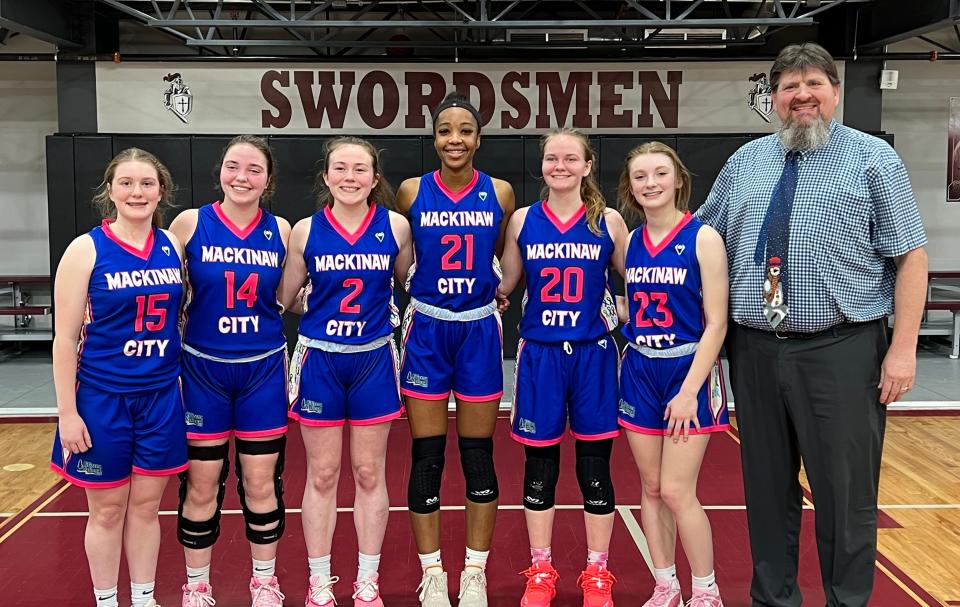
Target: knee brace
540	474
476	457
260	519
423	490
593	475
202	534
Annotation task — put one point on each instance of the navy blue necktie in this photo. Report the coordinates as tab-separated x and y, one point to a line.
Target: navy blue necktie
773	242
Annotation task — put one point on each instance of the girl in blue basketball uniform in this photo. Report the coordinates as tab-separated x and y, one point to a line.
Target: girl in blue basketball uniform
345	365
565	246
452	342
671	392
234	369
116	362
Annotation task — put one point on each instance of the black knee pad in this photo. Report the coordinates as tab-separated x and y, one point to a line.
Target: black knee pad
202	534
423	490
540	474
476	457
593	475
268	447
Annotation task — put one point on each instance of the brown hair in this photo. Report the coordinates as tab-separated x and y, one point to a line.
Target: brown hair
381	194
102	200
800	57
262	146
589	190
628	203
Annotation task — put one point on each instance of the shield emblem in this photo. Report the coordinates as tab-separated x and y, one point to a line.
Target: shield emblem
181	104
763	105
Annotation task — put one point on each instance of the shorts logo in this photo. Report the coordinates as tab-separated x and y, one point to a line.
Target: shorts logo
194	420
89	468
177	98
379	236
525	425
680	248
268	234
627	409
421	381
602	343
482	195
311	406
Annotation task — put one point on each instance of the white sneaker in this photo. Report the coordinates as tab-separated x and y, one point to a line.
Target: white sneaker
473	587
433	589
320	592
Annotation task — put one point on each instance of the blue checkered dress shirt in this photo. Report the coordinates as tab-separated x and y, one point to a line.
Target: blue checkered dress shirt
854	211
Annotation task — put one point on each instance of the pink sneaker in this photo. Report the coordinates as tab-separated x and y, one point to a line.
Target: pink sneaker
265	594
596	581
320	592
366	593
197	594
541	585
665	595
704	599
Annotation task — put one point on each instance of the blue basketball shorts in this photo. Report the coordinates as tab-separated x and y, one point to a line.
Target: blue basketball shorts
140	433
246	398
331	388
648	384
560	380
443	355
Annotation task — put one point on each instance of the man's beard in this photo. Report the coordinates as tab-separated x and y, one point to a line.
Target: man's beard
798	135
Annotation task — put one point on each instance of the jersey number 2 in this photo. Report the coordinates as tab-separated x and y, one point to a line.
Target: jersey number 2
346	305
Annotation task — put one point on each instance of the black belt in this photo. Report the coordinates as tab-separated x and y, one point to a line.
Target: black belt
833	331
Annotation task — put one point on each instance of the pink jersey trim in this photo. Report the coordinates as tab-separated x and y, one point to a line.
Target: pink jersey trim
143	253
459	194
665	433
424	395
166	472
605	435
376	420
342	231
87	484
261	433
210	436
315	423
534	443
239	232
654	249
479	399
560	225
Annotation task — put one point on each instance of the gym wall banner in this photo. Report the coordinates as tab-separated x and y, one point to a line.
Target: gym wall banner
703	97
953	151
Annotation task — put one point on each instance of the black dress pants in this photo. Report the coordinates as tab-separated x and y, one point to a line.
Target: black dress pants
814	399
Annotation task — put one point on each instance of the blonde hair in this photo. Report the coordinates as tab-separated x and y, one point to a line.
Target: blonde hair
589	190
381	194
628	202
104	204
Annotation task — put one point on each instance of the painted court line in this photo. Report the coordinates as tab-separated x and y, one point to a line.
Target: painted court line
636	532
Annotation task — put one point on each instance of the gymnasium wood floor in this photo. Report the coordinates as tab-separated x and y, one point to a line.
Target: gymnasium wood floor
919	539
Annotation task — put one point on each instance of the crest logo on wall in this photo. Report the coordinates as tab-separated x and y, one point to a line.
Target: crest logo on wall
760	99
177	98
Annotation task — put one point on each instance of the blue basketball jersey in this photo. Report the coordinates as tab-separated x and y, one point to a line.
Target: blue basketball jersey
566	268
663	287
233	275
350	287
130	340
455	243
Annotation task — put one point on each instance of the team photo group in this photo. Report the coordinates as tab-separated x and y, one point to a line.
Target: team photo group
170	347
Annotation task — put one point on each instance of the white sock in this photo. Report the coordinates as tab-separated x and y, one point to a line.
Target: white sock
319	566
367	566
198	574
707	583
431	559
264	570
667	575
106	597
476	558
141	594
